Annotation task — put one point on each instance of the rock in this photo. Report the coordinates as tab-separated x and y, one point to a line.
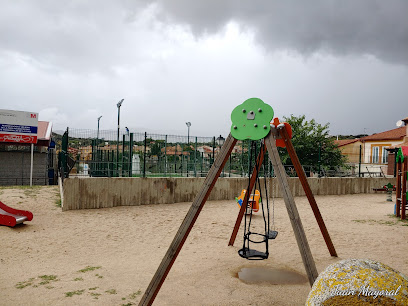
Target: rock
359	282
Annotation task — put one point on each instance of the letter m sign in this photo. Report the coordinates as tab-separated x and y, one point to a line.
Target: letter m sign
33	115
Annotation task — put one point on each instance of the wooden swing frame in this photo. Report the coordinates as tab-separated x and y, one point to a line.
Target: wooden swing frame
212	176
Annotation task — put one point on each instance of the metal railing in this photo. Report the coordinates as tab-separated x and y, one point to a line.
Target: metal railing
144	154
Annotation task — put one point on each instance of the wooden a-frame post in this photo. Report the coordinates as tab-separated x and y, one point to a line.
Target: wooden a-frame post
303	245
188	222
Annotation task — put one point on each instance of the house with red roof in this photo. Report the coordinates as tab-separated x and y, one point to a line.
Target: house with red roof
376	145
377	154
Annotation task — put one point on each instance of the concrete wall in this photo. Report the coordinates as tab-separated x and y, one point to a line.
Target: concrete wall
83	193
15	168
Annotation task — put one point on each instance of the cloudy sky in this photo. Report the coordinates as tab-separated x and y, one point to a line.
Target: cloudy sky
173	61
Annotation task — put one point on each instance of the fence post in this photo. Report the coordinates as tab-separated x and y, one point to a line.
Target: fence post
230	160
195	158
319	161
359	163
182	159
123	154
113	164
64	152
93	155
213	154
175	160
165	156
131	155
202	160
159	159
144	155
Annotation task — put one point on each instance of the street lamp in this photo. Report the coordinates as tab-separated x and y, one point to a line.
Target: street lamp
220	141
97	135
188	133
117	143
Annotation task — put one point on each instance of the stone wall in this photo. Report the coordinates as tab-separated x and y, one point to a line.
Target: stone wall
84	193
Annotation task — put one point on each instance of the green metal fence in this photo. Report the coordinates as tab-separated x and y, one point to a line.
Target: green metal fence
140	154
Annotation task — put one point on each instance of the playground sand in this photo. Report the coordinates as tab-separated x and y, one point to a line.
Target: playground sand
108	256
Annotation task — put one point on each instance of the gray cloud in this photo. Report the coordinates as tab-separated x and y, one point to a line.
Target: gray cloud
177	61
348	27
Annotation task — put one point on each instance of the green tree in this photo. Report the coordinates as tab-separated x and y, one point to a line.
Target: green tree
156	149
310	137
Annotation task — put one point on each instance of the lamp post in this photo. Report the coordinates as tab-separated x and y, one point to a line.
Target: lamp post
188	132
97	135
220	141
117	143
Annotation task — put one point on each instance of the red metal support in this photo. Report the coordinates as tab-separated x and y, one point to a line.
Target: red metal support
398	194
303	180
404	188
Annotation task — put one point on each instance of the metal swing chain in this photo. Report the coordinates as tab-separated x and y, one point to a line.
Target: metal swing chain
249	182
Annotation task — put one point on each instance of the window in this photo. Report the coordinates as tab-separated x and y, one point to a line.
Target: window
384	158
375	154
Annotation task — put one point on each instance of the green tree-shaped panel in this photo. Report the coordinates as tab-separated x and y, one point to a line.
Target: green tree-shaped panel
251	120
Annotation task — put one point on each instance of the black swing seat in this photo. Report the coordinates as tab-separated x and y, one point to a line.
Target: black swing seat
272	234
252	254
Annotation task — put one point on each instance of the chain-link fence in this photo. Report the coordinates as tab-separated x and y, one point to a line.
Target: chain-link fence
123	153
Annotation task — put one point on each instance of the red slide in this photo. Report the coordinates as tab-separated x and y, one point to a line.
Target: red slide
10	216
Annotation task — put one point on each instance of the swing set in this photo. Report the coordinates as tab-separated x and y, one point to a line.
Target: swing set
251	120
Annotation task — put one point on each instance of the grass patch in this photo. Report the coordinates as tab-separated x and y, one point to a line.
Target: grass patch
58	202
43	280
95	295
21	285
395	221
94	288
46	279
78	279
398	220
359	221
19	187
135	294
99	276
30	191
89	268
111	291
72	293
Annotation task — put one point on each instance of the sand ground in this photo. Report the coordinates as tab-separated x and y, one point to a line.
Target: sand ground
119	249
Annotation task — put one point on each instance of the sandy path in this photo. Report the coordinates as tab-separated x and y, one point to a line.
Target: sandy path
123	247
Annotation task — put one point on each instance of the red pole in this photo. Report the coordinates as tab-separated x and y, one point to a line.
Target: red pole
398	192
404	188
303	180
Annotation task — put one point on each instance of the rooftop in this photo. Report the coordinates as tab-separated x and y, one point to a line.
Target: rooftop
395	134
344	142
